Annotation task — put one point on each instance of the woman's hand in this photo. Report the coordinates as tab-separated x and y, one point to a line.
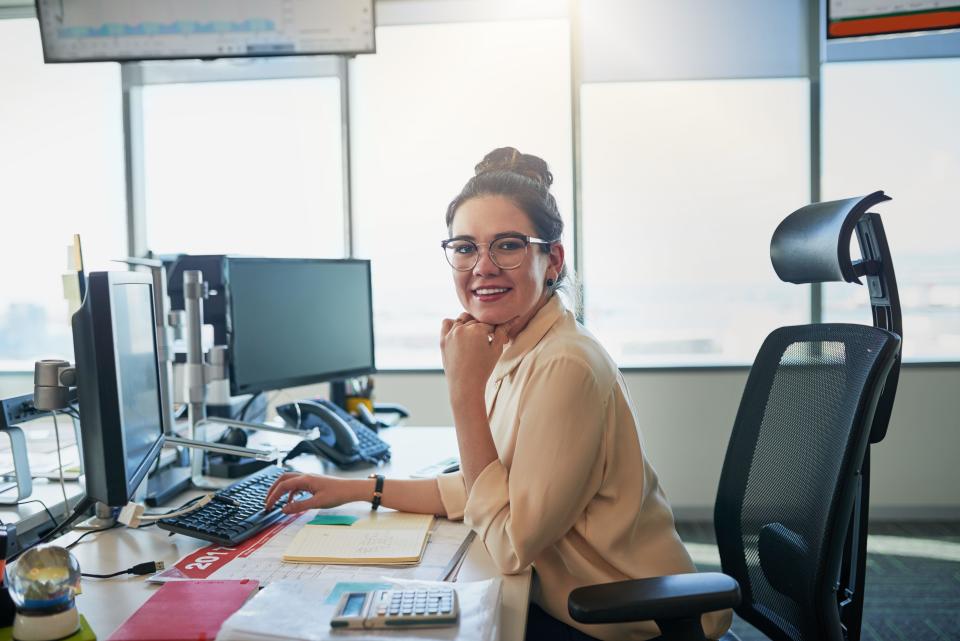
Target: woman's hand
326	491
470	351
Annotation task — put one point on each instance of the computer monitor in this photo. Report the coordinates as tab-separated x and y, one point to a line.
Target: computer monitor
118	384
122	30
297	321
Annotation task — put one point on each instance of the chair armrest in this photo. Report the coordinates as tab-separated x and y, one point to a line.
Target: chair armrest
656	598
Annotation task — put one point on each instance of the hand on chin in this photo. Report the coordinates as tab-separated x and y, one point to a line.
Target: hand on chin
490	316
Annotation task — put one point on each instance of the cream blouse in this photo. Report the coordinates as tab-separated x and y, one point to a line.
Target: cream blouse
571	492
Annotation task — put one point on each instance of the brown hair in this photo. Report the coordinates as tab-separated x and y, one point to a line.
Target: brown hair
525	180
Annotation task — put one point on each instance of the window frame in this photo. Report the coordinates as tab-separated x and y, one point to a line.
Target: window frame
14	10
136	75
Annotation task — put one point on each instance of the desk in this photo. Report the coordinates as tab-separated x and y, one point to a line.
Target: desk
107	603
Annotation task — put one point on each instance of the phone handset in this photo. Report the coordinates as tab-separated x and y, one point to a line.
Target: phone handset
346	439
335	441
342	439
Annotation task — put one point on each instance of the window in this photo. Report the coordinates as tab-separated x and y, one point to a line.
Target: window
683	185
248	167
893	126
61	159
424	110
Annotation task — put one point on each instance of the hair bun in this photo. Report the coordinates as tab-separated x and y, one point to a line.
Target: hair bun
511	160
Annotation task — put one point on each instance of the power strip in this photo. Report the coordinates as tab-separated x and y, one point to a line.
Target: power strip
19	409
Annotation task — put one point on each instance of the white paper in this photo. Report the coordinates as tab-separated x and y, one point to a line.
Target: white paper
297	610
266	565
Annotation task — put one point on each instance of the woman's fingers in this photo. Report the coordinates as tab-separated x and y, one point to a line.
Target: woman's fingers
291	485
445	327
295	507
283	477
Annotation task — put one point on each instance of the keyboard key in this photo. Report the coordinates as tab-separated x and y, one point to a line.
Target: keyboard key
236	515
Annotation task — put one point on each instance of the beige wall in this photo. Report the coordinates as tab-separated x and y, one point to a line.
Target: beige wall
688	416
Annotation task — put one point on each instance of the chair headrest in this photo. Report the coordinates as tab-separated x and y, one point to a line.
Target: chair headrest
812	245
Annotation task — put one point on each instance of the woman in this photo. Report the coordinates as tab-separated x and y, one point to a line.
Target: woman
552	473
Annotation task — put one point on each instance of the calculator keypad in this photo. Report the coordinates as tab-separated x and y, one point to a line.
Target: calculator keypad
426	606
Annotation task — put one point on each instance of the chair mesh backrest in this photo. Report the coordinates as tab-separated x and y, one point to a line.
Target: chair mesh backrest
786	488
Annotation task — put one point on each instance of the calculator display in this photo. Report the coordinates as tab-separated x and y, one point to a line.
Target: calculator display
354	604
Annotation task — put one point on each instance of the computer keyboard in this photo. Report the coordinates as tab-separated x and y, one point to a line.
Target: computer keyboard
235	514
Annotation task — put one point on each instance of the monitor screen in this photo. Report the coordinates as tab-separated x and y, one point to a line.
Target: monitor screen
118	384
857	18
137	379
89	30
297	321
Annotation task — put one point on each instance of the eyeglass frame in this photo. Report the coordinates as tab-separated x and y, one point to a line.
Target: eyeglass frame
527	241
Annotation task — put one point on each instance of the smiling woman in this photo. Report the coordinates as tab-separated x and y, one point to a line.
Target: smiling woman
552	473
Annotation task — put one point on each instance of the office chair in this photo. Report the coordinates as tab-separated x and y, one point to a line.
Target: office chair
791	509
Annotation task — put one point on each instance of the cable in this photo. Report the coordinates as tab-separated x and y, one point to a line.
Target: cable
246	406
45	509
77	540
132	515
85	504
73	410
63	486
138	570
176	509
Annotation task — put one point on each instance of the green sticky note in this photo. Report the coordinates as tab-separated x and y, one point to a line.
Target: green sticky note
333	519
345	586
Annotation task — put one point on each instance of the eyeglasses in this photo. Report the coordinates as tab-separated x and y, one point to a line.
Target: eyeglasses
506	252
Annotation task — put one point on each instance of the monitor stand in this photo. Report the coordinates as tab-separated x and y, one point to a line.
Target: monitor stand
166	483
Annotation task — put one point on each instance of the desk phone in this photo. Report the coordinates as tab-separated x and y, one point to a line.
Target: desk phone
342	438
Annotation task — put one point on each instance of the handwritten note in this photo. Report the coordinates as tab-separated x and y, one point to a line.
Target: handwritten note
382	539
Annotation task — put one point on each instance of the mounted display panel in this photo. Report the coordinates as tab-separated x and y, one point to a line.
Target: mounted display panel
127	30
293	321
891	29
857	18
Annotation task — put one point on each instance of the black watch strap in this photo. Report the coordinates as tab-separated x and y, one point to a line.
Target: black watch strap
377	491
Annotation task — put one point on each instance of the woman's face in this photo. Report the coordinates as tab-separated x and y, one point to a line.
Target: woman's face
487	292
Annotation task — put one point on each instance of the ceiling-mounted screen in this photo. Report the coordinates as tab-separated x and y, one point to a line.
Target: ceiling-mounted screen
857	18
95	30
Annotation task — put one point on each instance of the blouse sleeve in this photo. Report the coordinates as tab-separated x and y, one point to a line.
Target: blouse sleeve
453	494
556	470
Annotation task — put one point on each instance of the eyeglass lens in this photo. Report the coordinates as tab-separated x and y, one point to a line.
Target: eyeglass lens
506	253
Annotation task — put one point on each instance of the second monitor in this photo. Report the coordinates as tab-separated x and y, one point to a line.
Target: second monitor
297	321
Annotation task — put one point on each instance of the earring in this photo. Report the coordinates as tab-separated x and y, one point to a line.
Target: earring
550	282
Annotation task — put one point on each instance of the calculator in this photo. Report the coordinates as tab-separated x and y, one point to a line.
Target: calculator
414	608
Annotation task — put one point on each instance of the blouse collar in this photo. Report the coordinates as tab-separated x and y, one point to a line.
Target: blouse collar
545	318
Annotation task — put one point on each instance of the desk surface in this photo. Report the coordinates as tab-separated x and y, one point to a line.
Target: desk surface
107	603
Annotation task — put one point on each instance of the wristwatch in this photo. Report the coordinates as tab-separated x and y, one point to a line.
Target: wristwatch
377	491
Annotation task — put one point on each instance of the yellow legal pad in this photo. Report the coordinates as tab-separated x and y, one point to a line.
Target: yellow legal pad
383	538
